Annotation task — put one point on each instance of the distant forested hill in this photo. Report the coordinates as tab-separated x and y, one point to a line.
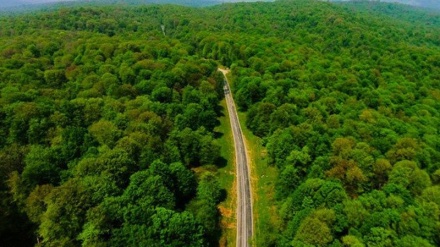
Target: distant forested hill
107	123
26	5
29	5
398	11
428	4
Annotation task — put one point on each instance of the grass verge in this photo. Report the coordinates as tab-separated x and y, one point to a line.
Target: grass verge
226	178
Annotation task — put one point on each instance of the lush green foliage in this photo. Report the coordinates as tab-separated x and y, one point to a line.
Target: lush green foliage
349	108
103	117
99	135
398	11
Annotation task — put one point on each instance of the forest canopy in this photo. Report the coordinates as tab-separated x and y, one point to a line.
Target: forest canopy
105	118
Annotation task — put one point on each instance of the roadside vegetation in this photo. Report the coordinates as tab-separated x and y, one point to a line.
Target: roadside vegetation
227	180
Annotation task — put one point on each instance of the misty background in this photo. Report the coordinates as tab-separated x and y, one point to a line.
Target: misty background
18	4
417	3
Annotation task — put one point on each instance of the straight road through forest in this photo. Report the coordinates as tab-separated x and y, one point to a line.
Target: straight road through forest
244	200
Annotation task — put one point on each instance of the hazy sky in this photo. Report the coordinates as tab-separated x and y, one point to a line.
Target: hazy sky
422	3
425	3
15	2
42	1
52	1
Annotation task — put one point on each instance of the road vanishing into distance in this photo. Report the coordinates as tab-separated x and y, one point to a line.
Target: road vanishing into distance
244	200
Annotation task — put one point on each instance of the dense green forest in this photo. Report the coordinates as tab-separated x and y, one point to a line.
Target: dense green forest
104	118
99	135
19	6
